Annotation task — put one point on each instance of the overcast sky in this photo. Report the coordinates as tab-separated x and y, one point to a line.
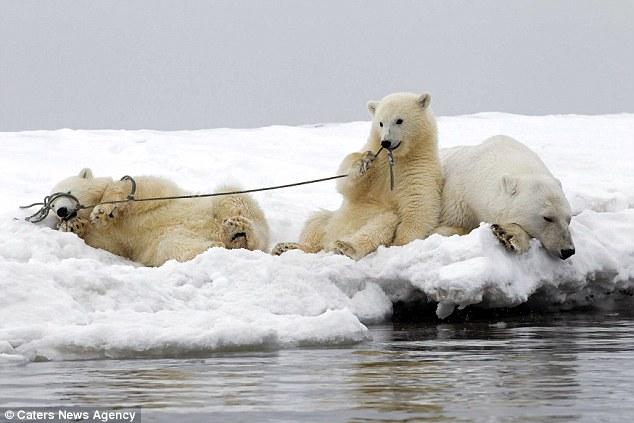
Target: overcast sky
201	64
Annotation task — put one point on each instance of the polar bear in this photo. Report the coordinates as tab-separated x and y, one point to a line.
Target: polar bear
371	213
503	182
153	232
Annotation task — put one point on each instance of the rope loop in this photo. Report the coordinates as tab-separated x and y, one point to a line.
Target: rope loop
47	205
132	189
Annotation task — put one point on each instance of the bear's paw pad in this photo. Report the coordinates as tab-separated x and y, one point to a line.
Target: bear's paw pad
237	227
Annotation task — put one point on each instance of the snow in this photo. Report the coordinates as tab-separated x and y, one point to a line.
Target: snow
62	300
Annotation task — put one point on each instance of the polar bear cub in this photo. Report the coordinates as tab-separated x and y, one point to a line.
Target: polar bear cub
371	213
153	232
503	182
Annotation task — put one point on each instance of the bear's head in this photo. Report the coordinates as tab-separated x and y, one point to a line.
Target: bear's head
84	186
401	122
538	204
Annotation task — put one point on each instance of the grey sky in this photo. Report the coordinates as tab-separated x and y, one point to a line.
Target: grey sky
200	64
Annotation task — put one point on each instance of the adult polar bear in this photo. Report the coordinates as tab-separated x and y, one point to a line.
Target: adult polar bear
371	213
153	232
503	182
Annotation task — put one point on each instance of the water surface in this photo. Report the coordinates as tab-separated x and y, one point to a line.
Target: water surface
553	368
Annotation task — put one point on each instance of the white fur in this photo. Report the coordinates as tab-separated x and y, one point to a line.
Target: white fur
503	182
153	232
371	213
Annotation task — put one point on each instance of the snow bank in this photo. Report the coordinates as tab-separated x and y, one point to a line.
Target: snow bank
60	299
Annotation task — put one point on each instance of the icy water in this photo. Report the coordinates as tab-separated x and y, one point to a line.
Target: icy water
552	368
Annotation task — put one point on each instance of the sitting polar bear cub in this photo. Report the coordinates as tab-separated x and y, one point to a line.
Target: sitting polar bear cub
153	232
503	182
371	213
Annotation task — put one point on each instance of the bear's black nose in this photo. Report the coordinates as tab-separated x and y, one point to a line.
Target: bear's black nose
386	144
567	253
62	212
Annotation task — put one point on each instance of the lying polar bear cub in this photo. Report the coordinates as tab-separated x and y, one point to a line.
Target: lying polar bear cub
153	232
503	182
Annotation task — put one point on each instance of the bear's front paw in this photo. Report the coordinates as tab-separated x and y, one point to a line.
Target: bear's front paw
104	214
282	247
76	225
345	249
512	237
364	163
238	231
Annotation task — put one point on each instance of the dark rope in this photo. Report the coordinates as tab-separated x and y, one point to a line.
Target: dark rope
133	189
215	194
48	200
390	161
41	214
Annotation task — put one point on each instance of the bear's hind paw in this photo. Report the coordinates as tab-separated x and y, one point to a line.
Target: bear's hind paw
282	247
345	249
238	231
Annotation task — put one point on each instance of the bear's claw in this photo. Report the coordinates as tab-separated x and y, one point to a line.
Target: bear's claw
104	214
76	226
365	162
282	247
512	237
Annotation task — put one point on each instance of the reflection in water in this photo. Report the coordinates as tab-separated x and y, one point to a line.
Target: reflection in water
451	369
558	368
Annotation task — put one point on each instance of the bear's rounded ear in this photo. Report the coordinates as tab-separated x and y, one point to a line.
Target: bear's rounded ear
509	185
424	100
372	106
85	173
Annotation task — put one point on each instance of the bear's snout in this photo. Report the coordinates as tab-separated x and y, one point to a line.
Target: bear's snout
390	145
564	254
62	212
